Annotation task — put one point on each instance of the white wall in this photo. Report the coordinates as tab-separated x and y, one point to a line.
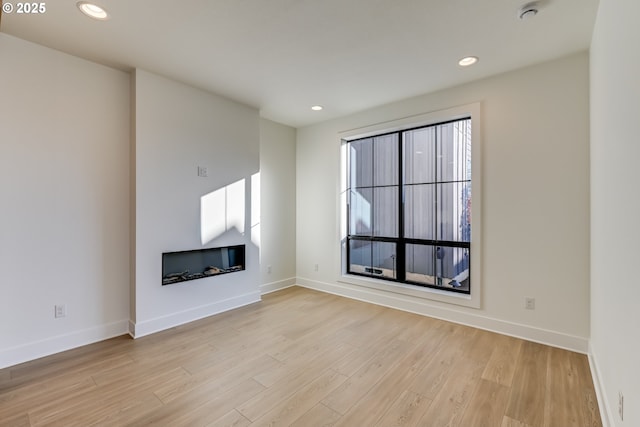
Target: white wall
77	195
278	205
615	208
177	129
535	194
64	201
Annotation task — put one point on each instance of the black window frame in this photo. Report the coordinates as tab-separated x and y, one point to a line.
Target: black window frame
401	241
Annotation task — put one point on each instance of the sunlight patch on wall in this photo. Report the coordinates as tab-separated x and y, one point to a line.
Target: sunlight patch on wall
255	209
222	210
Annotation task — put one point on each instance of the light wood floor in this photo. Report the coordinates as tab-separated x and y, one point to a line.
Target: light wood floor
305	358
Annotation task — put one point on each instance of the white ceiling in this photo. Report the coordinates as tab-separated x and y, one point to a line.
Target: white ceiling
283	56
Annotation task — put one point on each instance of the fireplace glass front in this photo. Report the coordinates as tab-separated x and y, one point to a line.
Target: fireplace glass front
200	263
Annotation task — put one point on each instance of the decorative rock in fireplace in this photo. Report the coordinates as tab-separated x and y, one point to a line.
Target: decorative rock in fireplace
200	263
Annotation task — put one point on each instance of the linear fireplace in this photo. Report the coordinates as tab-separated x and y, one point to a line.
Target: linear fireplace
200	263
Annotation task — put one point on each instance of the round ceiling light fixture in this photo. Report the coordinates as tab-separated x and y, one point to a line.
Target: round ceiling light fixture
467	61
93	10
528	11
317	108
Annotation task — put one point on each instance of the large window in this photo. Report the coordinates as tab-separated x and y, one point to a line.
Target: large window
409	206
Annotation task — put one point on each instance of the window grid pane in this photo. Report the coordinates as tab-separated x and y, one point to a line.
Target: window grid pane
385	211
370	258
361	163
419	156
419	211
439	266
454	219
385	158
360	212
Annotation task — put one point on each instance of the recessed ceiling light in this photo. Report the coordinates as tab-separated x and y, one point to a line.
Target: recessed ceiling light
528	11
93	10
316	107
468	60
527	14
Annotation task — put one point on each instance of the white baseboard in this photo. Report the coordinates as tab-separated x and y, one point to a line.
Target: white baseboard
276	286
132	328
603	403
59	343
415	305
140	329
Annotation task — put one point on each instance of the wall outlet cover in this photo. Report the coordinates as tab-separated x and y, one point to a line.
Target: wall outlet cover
530	303
60	311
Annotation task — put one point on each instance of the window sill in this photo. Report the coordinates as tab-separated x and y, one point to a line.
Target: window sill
415	291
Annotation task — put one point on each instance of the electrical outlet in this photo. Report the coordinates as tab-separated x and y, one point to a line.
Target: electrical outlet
621	405
269	269
530	303
60	311
315	267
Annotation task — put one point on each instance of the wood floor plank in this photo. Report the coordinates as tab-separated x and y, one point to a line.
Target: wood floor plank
367	352
19	420
590	410
565	379
362	381
32	396
200	410
450	403
232	418
236	351
296	379
481	347
157	357
406	411
487	405
60	372
510	422
98	402
312	321
286	412
320	356
503	360
367	328
322	335
318	416
57	401
215	380
372	406
115	414
216	408
527	394
439	367
592	415
416	326
305	358
139	370
82	360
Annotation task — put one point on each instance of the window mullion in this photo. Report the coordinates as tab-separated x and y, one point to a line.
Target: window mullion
373	201
400	245
436	206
